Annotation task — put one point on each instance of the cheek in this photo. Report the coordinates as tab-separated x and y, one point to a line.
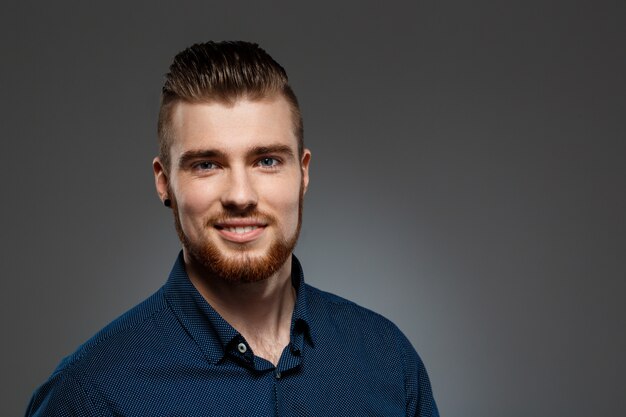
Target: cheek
287	205
193	206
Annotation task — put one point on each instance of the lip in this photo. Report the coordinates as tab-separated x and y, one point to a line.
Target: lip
247	230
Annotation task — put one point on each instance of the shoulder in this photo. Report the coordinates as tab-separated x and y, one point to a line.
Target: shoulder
327	306
342	319
113	346
121	334
349	330
72	389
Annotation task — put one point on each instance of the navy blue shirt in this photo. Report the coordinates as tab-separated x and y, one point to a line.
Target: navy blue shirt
174	355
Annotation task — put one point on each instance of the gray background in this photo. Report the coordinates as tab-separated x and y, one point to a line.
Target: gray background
468	181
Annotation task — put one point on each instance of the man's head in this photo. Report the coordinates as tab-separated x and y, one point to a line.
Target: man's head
231	160
222	72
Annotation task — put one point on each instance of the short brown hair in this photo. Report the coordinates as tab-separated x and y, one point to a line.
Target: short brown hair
225	72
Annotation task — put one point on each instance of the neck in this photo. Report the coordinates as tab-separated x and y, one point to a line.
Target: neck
261	311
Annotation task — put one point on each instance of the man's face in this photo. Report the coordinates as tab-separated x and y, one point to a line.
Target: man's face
236	184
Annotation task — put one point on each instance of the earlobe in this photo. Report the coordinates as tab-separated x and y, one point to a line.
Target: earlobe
304	163
160	180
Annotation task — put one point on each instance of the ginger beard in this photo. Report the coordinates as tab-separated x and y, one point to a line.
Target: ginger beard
240	268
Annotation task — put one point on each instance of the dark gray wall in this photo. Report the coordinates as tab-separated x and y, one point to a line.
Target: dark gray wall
468	181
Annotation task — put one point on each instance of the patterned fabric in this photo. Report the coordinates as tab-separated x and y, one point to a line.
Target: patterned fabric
173	355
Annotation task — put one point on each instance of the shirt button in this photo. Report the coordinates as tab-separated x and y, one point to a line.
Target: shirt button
277	375
242	347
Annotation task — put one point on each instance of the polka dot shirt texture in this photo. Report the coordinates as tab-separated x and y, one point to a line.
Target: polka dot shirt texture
173	355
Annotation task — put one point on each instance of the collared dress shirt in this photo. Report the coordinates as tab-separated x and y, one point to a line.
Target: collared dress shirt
174	355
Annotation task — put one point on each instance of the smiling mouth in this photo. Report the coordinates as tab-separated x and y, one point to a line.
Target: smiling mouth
238	230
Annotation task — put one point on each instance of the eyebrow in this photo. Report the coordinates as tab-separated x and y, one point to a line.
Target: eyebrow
192	155
263	150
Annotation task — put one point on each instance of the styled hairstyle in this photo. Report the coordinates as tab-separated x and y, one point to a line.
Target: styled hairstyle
224	72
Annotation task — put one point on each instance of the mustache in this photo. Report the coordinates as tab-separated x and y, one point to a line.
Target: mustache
252	214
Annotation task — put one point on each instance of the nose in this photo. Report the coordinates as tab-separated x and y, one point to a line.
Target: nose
239	193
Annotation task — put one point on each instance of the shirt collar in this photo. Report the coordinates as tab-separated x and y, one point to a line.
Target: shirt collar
209	330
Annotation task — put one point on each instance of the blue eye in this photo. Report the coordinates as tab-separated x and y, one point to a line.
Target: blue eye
205	166
268	162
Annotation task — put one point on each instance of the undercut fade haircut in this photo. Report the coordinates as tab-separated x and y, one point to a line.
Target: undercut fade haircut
223	72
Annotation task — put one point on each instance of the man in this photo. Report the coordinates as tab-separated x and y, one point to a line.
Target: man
235	330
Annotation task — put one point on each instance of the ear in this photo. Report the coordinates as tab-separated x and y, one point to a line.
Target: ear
160	179
304	164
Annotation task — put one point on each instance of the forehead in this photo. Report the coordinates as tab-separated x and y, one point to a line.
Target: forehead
231	127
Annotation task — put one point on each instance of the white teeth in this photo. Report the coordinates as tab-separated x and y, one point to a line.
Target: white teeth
241	230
